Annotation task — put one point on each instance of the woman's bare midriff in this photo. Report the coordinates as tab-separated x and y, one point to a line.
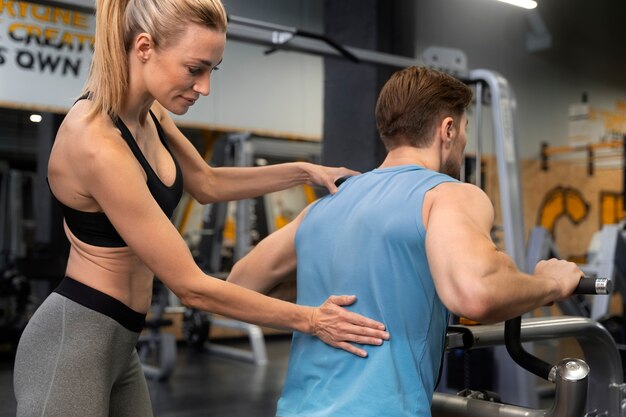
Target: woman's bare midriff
117	272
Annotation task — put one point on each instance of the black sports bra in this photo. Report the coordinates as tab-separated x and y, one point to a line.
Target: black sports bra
95	228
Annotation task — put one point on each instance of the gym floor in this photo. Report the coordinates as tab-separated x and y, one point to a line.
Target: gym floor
208	385
203	384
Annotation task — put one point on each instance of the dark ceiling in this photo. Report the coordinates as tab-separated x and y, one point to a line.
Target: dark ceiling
589	36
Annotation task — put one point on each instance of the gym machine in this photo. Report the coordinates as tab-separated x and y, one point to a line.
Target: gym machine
238	149
157	349
541	246
604	258
17	198
603	261
595	389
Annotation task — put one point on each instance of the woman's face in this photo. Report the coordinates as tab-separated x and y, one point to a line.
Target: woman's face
179	73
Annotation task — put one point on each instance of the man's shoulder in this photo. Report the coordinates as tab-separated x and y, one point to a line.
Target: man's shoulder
458	194
454	186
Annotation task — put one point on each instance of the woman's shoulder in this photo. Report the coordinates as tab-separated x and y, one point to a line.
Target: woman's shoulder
85	147
80	128
90	142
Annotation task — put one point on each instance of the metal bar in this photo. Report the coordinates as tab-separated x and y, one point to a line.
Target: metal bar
571	377
243	158
259	24
515	382
42	196
258	352
4	207
340	48
554	150
261	33
448	405
479	133
503	108
597	344
277	148
15	217
606	267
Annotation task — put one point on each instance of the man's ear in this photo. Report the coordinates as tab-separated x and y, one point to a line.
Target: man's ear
447	130
143	46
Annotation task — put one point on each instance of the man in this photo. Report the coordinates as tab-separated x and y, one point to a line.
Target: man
412	243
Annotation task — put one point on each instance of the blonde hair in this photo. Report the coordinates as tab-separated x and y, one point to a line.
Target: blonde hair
117	24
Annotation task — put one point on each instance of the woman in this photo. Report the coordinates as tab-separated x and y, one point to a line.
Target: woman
118	168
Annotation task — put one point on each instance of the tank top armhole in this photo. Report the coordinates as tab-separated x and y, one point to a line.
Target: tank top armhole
84	96
431	183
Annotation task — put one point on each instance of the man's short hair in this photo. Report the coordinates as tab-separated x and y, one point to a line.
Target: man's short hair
412	103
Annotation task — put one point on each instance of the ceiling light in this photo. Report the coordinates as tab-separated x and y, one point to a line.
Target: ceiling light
35	118
526	4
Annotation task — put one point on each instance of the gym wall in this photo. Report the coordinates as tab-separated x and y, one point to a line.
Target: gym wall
282	93
575	203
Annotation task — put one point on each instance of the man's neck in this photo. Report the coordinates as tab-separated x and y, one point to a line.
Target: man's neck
408	155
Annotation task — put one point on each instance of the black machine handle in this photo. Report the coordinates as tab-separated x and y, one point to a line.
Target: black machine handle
594	286
513	327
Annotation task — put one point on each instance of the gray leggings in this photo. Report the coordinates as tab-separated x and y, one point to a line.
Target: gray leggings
75	361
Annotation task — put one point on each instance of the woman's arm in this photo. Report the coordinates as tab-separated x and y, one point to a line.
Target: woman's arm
208	185
246	182
115	180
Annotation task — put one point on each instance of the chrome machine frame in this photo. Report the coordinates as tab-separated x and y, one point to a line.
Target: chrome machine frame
606	391
240	150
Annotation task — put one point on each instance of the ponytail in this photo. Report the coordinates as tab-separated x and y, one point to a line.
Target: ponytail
108	74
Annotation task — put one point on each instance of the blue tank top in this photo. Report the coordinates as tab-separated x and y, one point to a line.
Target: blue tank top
368	240
95	228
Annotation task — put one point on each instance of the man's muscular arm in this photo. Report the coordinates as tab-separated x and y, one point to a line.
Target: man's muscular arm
473	278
